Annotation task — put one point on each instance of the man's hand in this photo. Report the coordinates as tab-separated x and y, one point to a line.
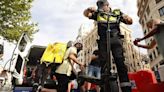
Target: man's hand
92	9
127	19
89	11
136	41
82	66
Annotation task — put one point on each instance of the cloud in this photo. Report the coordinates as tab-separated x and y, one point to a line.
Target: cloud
61	20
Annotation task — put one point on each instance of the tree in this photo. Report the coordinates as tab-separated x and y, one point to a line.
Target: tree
15	18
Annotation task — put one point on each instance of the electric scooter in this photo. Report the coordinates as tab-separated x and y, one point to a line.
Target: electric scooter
108	81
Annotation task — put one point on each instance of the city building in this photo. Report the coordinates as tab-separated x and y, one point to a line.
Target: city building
150	9
134	59
89	37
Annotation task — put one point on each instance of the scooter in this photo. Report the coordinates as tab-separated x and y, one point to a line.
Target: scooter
108	81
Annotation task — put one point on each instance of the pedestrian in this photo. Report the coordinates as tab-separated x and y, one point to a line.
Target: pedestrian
115	40
94	69
154	26
43	68
63	72
41	74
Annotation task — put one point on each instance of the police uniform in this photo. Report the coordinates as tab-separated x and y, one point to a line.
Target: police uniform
115	41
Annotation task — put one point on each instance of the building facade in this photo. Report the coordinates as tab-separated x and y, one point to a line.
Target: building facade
134	59
132	56
150	9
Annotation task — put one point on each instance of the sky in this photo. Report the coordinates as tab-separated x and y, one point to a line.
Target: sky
60	20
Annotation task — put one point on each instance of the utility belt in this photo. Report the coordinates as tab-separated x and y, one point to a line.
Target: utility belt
103	39
116	35
112	35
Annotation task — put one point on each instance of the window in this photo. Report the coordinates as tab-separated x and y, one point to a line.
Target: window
142	23
161	11
19	63
23	44
138	64
162	62
157	50
148	10
1	49
133	56
157	1
145	32
150	56
145	17
154	54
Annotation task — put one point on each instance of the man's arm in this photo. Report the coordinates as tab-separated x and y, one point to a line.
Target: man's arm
152	44
72	56
152	25
151	33
93	57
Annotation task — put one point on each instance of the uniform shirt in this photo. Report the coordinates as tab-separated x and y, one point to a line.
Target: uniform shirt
66	66
102	27
159	36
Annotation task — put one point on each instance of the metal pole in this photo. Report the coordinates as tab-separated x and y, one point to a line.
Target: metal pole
108	62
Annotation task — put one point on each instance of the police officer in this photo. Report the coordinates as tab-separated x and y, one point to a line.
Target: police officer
115	40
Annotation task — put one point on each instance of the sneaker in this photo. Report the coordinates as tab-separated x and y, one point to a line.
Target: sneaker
35	87
39	89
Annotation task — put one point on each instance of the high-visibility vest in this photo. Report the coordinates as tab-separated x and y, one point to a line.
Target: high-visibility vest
54	53
104	17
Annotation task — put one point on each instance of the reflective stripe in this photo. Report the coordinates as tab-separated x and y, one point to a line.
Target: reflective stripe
133	84
101	18
35	84
104	18
116	11
125	84
113	19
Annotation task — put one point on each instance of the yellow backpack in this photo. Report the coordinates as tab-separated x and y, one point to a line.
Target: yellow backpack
54	53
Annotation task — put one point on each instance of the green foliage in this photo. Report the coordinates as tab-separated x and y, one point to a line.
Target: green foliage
15	18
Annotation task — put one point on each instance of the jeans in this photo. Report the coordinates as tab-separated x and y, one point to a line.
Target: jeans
94	71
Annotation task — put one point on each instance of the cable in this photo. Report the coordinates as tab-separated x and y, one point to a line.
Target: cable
10	58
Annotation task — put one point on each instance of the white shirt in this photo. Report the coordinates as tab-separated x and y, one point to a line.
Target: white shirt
66	66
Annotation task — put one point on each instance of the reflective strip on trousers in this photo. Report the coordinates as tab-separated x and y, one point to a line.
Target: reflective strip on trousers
125	84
